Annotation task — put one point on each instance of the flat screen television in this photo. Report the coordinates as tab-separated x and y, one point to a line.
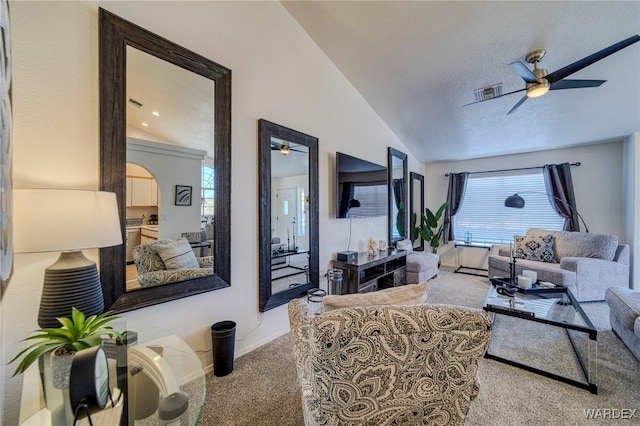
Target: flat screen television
361	188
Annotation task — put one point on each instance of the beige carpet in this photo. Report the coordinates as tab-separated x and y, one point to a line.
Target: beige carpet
263	389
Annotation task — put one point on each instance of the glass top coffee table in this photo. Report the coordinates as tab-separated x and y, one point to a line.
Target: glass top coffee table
555	307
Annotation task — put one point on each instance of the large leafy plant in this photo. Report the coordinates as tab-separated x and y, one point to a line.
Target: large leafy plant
431	229
77	333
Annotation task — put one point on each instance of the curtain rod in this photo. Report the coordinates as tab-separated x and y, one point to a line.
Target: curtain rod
512	170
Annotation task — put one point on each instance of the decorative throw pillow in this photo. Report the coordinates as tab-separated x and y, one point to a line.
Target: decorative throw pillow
535	247
405	244
410	294
176	254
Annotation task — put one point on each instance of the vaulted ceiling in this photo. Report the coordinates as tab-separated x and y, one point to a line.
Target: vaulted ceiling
418	62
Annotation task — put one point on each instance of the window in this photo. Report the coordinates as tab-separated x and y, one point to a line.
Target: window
482	212
208	191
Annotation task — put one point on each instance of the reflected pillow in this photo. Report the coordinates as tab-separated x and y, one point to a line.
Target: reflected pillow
176	254
410	294
535	247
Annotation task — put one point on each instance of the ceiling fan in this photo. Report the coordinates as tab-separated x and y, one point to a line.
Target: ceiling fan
539	82
284	148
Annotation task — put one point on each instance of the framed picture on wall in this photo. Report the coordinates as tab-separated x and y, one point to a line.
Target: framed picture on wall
183	195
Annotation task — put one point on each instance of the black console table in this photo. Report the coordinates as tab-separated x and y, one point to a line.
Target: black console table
370	273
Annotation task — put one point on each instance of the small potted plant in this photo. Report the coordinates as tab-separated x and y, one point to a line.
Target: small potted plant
76	333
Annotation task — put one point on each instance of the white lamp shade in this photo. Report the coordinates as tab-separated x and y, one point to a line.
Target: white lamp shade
64	220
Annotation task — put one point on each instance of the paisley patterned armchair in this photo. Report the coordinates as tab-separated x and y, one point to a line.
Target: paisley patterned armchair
152	271
388	365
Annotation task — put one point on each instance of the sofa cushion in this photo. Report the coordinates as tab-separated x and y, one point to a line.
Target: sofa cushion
176	254
410	294
581	244
535	247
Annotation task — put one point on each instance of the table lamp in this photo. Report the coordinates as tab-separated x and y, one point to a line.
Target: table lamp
68	221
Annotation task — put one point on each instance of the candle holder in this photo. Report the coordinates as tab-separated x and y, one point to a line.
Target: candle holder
512	270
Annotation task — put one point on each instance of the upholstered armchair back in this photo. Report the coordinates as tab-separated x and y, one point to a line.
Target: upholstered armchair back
388	364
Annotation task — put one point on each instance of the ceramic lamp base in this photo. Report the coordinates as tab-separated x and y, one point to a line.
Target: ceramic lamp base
72	281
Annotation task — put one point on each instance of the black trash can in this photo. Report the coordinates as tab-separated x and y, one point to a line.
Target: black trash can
223	338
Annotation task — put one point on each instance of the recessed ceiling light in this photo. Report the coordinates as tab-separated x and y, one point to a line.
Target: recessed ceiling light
156	113
145	124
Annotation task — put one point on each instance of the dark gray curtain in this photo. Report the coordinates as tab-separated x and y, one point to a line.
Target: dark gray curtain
398	191
558	183
455	194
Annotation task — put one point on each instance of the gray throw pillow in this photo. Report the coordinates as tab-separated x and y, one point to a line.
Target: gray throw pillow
535	247
176	254
405	244
410	294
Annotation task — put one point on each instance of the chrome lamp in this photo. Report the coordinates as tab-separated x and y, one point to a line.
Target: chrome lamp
517	202
68	221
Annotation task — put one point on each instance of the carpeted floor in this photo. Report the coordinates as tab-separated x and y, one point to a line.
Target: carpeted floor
263	388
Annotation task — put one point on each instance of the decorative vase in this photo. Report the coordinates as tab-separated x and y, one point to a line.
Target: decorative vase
61	360
373	247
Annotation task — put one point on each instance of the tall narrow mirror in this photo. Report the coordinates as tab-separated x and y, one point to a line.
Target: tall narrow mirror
165	146
416	208
397	169
288	214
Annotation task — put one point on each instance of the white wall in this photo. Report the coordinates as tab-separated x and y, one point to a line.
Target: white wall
631	187
278	74
599	183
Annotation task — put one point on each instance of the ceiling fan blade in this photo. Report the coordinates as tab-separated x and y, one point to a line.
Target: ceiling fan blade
575	84
524	72
585	62
496	97
516	106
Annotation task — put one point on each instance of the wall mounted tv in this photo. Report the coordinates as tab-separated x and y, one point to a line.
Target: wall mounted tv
361	188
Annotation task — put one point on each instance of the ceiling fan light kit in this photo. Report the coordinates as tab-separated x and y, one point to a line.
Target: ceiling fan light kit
538	82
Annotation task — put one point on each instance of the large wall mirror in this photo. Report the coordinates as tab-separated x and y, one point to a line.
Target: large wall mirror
397	178
289	264
165	150
416	208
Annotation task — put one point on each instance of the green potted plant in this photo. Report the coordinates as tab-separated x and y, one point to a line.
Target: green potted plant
430	230
76	333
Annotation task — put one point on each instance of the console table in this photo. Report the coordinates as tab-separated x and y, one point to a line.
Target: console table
370	273
158	364
468	269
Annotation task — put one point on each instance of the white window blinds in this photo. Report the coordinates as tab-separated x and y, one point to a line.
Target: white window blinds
483	215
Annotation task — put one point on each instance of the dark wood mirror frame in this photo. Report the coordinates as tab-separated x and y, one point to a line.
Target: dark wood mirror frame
392	154
115	35
416	180
266	130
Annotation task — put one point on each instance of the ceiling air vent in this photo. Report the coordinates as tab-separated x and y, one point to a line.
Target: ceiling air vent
488	92
135	103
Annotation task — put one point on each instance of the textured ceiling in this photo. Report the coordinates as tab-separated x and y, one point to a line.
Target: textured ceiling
418	62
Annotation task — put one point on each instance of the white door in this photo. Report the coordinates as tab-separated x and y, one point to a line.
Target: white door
286	216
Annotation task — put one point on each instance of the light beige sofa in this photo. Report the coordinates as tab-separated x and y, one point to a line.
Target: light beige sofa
586	263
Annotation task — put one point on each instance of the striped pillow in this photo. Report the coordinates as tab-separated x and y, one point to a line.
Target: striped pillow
176	254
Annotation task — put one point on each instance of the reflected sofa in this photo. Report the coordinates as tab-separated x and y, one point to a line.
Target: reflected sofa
586	263
391	364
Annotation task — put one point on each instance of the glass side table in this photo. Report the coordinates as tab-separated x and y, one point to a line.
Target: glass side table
160	370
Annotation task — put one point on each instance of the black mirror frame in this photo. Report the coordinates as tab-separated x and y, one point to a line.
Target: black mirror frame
266	130
115	35
391	154
416	179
